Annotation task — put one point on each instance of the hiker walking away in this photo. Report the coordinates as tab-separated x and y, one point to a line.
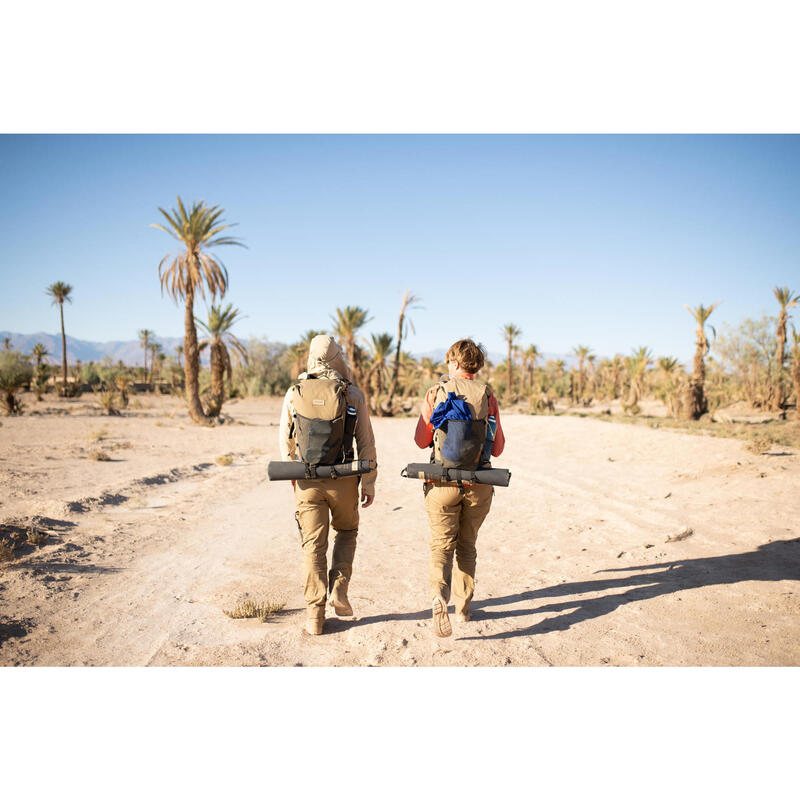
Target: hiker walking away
457	420
322	413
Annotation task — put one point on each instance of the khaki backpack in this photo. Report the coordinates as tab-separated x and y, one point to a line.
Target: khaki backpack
466	437
324	420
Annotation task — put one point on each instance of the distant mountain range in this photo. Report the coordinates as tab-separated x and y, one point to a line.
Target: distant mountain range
130	352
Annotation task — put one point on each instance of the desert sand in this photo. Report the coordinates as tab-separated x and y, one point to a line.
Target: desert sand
145	550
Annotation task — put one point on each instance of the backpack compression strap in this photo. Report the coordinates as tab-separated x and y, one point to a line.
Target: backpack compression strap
351	415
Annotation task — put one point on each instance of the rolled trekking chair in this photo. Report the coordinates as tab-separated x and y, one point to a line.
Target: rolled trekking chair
438	472
300	471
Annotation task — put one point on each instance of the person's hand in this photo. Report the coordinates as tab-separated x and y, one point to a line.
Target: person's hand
366	499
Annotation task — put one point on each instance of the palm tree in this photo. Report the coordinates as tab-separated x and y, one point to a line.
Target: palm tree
637	365
582	352
60	292
178	354
145	335
668	367
156	354
408	302
696	403
40	352
796	370
510	333
787	298
380	346
346	324
530	356
219	338
191	272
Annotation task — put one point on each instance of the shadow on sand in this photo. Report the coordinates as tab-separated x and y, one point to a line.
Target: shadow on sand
775	561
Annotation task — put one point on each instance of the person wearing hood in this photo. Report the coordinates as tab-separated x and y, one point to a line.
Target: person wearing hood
325	501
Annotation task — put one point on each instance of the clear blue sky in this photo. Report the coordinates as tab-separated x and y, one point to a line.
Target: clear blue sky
596	240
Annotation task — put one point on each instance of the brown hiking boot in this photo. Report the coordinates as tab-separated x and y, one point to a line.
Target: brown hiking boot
441	622
466	617
314	624
341	605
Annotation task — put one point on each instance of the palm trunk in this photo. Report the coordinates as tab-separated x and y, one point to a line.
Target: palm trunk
796	379
192	354
217	380
63	347
694	404
508	381
779	392
396	367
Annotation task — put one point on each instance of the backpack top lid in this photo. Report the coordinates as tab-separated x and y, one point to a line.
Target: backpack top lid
473	394
318	397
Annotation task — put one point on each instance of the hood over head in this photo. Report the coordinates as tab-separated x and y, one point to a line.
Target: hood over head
323	354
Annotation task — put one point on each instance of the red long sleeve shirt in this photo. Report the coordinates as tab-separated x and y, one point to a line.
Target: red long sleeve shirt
423	436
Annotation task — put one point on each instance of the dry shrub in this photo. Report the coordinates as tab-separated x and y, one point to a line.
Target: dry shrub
225	461
107	398
6	550
247	608
99	455
759	443
36	537
99	434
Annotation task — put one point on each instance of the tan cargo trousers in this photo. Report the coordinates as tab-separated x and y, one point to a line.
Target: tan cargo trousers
455	518
319	503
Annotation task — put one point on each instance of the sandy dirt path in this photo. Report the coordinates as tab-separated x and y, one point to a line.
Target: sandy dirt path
146	550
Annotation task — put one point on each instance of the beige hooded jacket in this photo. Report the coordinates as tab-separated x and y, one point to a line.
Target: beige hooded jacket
325	356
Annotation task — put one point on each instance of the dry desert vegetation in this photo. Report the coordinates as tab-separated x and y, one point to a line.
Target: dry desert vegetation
142	539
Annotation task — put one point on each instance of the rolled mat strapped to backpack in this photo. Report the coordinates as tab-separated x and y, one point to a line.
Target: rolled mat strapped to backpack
299	471
437	472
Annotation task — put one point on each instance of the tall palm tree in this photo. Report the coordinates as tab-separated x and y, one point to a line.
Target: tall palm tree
696	403
155	355
796	370
787	298
582	352
219	338
510	333
60	292
346	325
178	354
39	352
531	355
193	271
145	336
404	322
380	347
